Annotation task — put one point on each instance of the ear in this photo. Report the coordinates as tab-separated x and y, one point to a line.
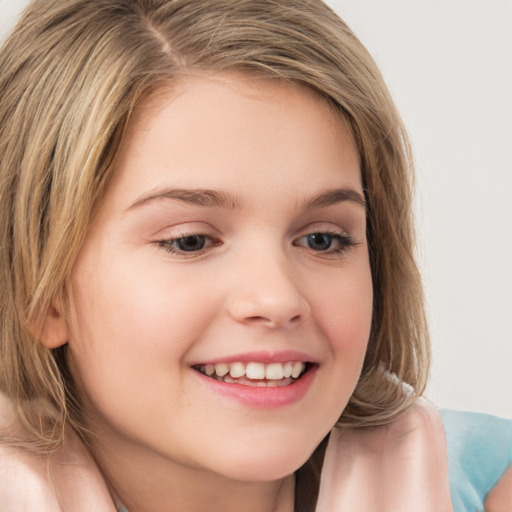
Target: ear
55	331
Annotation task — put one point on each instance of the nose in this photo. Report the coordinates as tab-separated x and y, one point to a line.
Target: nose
266	293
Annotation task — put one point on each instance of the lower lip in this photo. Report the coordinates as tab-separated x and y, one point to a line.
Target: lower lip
263	397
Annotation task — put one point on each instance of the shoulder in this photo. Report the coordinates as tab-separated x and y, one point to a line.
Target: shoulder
424	460
66	480
400	466
479	452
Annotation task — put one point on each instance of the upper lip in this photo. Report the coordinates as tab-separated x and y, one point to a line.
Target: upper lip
284	356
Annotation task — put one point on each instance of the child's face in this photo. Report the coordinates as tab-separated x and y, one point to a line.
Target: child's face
172	280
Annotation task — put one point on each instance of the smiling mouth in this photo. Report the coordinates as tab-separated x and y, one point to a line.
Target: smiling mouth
255	374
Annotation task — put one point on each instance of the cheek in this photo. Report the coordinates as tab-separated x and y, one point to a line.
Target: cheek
345	317
345	313
147	308
129	325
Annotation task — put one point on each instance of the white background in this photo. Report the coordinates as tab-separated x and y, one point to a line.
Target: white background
448	64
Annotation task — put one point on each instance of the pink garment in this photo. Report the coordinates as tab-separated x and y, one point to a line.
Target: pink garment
66	481
401	467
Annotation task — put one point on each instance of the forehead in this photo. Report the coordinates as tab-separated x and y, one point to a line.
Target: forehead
248	84
217	130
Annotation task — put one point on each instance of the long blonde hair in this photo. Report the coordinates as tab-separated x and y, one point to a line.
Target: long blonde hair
72	73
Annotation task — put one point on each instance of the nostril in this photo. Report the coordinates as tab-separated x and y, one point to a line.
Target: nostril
274	322
258	319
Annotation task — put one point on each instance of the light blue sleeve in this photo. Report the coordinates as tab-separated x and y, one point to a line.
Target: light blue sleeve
479	451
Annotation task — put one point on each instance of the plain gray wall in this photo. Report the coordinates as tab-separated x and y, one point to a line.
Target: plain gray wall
449	67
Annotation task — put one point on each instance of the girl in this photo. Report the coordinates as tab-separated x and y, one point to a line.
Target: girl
209	283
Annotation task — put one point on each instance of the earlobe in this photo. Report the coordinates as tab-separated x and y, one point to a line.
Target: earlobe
55	330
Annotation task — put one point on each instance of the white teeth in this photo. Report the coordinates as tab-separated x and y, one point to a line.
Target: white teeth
221	369
255	371
274	371
237	370
287	370
297	369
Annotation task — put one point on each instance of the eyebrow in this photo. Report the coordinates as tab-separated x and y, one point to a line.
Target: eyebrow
335	196
200	197
221	199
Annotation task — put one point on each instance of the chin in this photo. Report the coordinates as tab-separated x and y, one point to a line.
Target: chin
267	465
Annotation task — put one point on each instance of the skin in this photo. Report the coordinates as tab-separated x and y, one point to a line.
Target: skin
499	498
164	440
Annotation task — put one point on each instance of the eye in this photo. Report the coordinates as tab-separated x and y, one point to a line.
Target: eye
191	243
188	244
319	241
326	242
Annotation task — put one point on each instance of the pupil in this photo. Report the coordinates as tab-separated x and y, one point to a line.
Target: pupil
319	241
191	243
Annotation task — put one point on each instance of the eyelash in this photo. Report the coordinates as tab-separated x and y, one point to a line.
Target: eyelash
171	244
343	240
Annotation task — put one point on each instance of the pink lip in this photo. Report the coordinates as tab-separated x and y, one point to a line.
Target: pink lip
262	397
262	357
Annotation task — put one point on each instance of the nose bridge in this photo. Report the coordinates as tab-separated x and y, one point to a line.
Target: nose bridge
266	290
